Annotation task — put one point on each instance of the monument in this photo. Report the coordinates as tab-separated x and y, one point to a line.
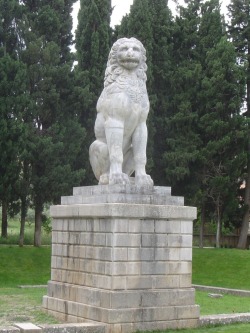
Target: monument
122	250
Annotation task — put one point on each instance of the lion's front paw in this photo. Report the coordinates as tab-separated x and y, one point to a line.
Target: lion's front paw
104	179
144	180
118	178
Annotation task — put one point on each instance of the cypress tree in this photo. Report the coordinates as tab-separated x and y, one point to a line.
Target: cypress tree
54	167
13	98
93	42
182	142
238	30
221	130
160	89
198	57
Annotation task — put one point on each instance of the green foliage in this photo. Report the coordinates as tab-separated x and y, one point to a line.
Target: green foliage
238	30
93	42
14	230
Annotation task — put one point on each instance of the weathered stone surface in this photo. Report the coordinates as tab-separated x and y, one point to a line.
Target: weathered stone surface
223	319
124	211
28	328
122	109
123	264
74	328
9	329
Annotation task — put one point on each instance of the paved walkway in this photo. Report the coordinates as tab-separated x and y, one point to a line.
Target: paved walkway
237	292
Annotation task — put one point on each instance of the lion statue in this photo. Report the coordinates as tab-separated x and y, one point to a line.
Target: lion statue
122	110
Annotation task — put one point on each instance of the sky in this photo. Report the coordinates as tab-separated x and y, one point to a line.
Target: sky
122	7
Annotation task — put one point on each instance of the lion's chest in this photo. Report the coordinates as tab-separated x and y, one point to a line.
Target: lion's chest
131	99
135	91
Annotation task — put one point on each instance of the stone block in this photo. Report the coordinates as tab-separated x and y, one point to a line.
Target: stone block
118	268
147	226
187	241
89	328
119	283
154	268
145	211
168	227
9	329
120	226
186	254
125	300
185	280
180	267
147	254
187	227
159	314
28	328
120	254
139	282
149	240
188	312
134	254
126	240
166	282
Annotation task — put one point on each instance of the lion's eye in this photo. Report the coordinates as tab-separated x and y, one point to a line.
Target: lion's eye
136	49
124	48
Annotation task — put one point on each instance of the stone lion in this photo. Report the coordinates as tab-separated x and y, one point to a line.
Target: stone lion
122	110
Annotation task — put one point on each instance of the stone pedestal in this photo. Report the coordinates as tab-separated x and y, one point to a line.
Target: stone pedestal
122	256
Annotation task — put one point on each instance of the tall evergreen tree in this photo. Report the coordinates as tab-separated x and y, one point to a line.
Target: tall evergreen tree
160	89
220	125
93	42
13	86
47	54
13	98
182	143
239	33
202	57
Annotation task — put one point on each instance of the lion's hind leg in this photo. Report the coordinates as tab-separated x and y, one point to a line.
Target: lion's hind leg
128	165
99	160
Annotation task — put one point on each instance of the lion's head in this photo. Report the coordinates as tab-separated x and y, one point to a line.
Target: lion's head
119	60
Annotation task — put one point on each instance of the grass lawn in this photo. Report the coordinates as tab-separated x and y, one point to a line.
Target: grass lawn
25	265
228	268
225	304
23	305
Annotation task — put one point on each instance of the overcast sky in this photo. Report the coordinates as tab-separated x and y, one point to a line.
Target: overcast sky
121	7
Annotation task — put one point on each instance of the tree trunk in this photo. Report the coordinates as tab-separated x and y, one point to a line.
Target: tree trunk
202	225
218	228
4	232
245	222
38	225
242	243
22	225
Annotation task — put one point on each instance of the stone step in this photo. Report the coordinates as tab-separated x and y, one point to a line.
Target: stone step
123	198
128	189
55	328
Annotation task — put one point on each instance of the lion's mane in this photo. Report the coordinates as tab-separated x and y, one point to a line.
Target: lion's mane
114	70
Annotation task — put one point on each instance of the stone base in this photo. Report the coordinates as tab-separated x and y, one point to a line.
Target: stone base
122	256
